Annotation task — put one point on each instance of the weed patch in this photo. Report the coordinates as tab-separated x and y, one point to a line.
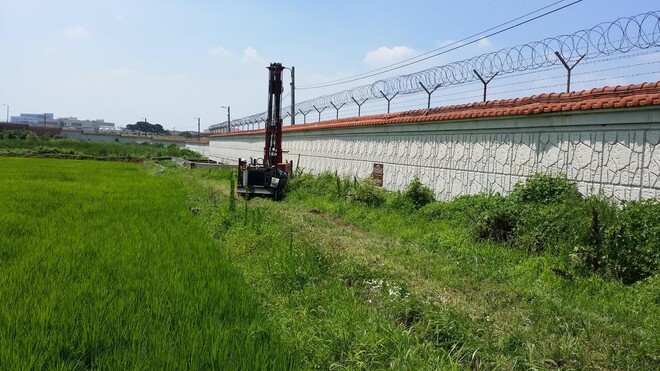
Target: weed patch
354	284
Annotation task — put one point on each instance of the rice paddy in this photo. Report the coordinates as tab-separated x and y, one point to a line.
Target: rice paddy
102	266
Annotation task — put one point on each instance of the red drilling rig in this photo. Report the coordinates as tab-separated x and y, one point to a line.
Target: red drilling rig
268	176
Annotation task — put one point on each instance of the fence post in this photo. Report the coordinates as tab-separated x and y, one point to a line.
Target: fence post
359	104
304	115
388	99
569	68
428	106
485	82
317	110
337	108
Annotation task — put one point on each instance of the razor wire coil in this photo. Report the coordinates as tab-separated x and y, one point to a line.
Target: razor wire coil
621	36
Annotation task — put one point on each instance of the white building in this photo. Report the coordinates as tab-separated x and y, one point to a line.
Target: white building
46	119
88	125
33	119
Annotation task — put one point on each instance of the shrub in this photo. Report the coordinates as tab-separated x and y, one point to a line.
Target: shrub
16	134
366	191
633	242
400	202
545	189
419	193
31	135
589	255
554	227
498	222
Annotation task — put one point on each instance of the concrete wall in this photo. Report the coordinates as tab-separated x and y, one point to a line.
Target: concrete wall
199	148
615	153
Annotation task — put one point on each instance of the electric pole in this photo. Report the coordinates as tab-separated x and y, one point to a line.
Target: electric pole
293	95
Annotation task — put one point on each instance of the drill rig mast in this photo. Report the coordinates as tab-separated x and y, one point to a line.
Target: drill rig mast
273	148
268	177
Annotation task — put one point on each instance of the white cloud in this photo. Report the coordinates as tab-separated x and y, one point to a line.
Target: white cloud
384	56
484	43
444	43
120	18
219	51
76	32
250	55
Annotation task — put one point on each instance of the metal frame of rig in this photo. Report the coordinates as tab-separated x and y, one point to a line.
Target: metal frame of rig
268	177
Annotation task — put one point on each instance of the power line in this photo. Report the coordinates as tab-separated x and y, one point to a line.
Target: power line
440	48
414	60
621	39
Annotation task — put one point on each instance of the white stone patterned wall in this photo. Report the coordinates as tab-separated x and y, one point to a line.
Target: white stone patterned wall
202	149
615	153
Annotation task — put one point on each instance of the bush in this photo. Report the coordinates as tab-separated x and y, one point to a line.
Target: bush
418	193
633	242
556	228
499	221
545	189
589	255
366	191
544	212
17	134
400	202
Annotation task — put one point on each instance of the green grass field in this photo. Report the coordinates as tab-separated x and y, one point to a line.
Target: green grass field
103	266
388	287
87	149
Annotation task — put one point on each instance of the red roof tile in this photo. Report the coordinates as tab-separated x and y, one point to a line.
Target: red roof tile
607	97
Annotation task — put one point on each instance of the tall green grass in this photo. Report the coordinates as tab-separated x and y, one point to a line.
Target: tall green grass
355	284
72	148
103	266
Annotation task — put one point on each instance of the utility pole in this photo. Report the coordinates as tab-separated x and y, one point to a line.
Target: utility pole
293	95
228	117
6	105
199	133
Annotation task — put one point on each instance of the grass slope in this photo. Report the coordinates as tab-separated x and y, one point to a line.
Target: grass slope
359	287
103	266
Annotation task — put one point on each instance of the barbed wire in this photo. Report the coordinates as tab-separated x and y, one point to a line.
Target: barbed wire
621	36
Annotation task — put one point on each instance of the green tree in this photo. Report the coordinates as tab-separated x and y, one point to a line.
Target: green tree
146	127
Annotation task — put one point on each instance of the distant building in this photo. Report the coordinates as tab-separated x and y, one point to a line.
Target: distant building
109	129
47	119
34	119
87	125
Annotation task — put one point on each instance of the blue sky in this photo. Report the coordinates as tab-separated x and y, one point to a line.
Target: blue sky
172	60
